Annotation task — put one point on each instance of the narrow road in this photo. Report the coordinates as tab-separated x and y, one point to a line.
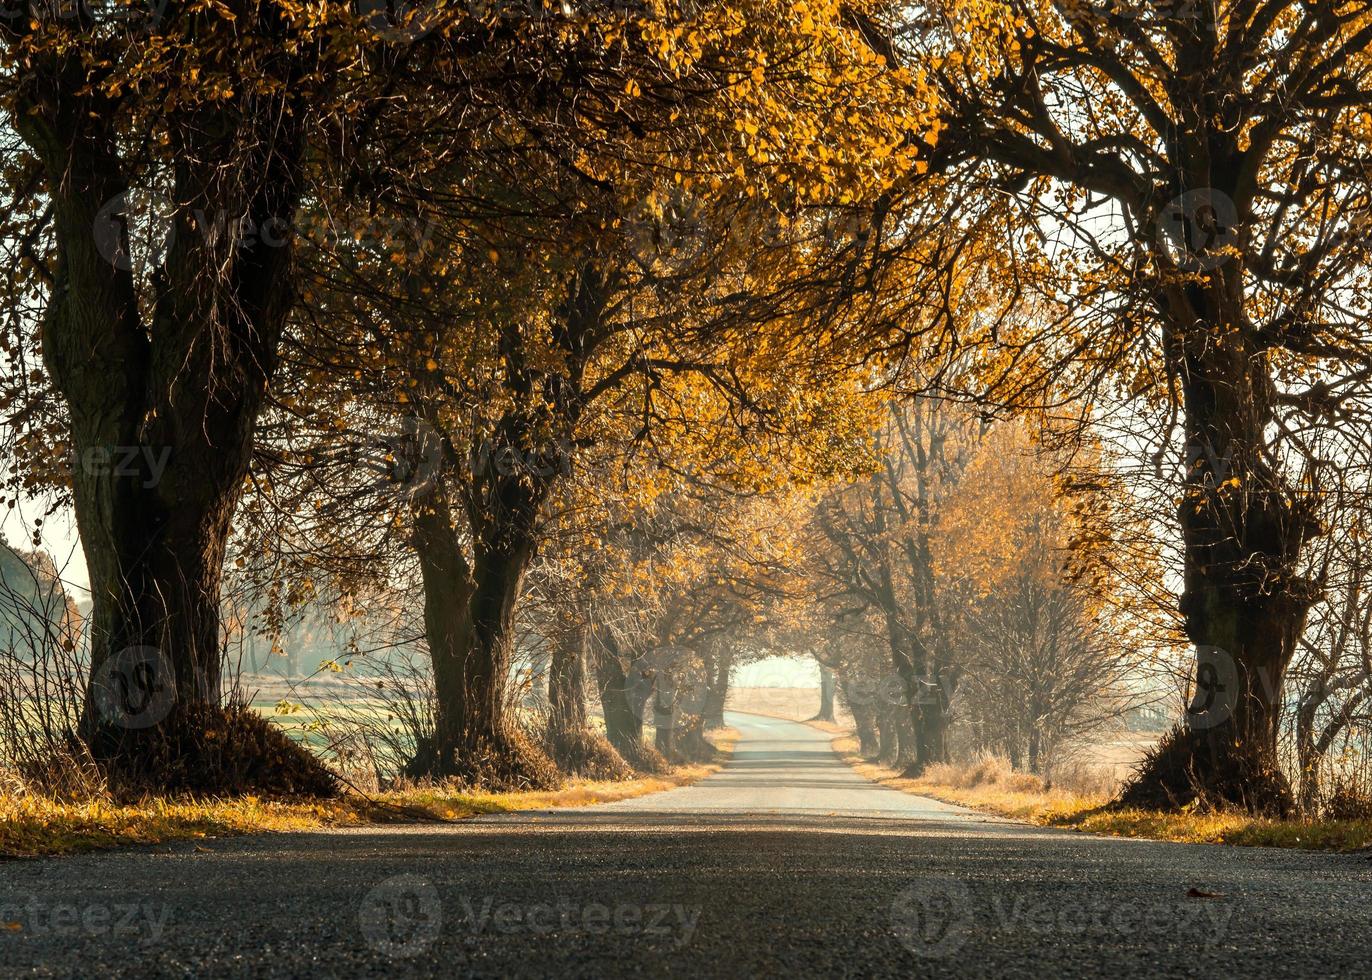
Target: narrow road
784	863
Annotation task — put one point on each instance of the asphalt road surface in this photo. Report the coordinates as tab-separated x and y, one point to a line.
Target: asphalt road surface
783	864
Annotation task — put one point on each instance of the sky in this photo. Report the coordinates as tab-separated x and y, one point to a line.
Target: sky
59	540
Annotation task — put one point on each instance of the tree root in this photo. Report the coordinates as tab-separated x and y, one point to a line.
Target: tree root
208	750
505	762
586	754
1198	770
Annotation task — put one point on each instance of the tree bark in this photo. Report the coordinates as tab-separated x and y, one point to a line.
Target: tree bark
1244	602
469	624
162	400
665	713
717	692
931	734
448	586
567	680
864	719
623	723
826	695
887	722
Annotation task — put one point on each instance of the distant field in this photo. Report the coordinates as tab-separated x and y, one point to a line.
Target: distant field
795	703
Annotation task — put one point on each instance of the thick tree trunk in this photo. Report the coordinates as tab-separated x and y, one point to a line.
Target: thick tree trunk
930	724
1244	601
163	399
621	706
623	725
448	587
567	680
569	739
511	474
665	716
691	743
888	721
927	694
469	624
907	746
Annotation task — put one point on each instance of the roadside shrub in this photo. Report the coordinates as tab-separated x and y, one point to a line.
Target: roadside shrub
1348	802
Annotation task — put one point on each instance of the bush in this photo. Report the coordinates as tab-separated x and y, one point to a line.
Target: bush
1348	802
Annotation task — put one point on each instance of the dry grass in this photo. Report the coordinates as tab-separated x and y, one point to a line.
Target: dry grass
1078	804
989	785
32	826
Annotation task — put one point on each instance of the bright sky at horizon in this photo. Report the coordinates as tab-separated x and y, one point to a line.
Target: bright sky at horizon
60	540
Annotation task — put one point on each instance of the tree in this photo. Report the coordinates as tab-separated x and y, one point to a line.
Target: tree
1049	650
1200	170
880	558
541	310
161	348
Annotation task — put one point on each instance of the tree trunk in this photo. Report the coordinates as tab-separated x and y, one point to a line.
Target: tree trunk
826	695
448	586
864	719
469	623
907	746
567	680
162	398
887	746
623	723
1244	602
718	690
664	706
569	739
690	739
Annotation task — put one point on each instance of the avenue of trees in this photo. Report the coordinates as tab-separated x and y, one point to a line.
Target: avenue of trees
1008	357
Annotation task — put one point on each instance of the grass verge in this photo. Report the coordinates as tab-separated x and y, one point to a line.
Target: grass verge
1019	796
33	826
